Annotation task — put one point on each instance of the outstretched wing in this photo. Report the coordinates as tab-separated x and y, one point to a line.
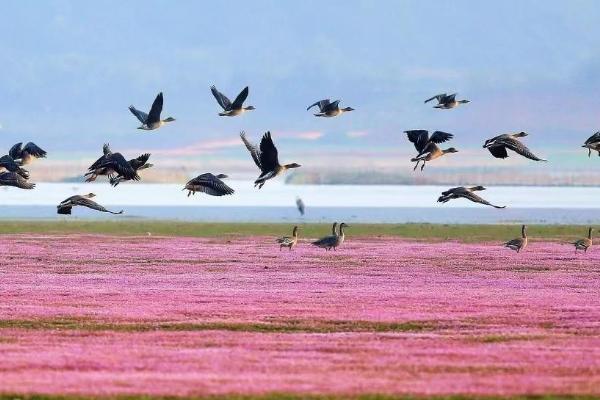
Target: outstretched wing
138	162
268	153
419	138
440	137
15	151
437	97
595	138
239	100
34	150
155	110
498	151
9	163
142	116
118	163
449	98
85	202
16	180
254	152
223	101
477	199
210	184
321	104
520	148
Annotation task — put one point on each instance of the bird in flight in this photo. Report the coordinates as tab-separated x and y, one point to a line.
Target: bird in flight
151	120
498	145
328	108
446	101
593	143
209	184
66	205
231	109
113	165
266	158
14	179
465	193
427	146
25	155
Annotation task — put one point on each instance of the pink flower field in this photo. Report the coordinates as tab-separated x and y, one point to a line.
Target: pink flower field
104	316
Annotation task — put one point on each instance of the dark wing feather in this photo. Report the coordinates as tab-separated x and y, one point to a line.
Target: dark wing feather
498	151
223	101
440	137
9	163
157	106
34	150
142	116
210	184
136	163
419	138
16	180
592	139
321	103
15	151
239	100
254	152
85	202
268	153
437	97
64	209
520	148
477	199
117	162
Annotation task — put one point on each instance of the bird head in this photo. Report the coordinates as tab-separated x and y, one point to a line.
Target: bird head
90	195
348	109
222	176
249	108
521	134
464	101
292	165
451	150
170	119
344	225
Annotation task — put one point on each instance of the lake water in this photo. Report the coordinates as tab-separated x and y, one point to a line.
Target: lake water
276	203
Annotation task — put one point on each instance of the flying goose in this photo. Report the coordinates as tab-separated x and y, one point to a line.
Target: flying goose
446	101
289	241
498	145
466	193
24	155
231	109
209	184
593	143
518	244
14	179
300	205
266	159
151	120
7	163
427	146
137	164
585	243
66	205
111	164
328	108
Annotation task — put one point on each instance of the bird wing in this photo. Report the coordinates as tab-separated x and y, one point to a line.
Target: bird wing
268	153
477	199
325	241
155	110
519	148
450	98
453	190
239	100
592	139
419	138
142	116
285	240
64	209
15	151
300	205
498	151
437	97
210	184
16	180
223	101
9	163
106	149
34	150
321	104
139	161
514	242
254	152
85	202
118	163
440	137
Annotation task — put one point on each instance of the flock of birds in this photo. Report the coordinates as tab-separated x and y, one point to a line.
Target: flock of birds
265	155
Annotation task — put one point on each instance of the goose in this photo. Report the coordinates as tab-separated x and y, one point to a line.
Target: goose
151	120
341	236
266	159
498	145
328	242
518	244
329	108
300	205
209	184
446	101
585	243
289	241
14	179
593	143
138	164
111	164
24	155
466	193
66	205
231	109
7	163
427	146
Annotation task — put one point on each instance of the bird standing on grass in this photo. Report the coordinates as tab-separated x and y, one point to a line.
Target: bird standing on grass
266	158
585	243
289	241
518	244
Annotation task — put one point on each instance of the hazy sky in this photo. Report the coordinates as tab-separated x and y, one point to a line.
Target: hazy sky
70	69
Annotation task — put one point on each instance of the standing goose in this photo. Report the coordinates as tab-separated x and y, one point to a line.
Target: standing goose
7	163
16	180
266	158
341	236
111	164
138	164
518	244
329	241
289	241
427	146
585	243
151	120
593	143
231	109
66	205
209	184
465	193
27	154
498	145
446	101
329	109
300	205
